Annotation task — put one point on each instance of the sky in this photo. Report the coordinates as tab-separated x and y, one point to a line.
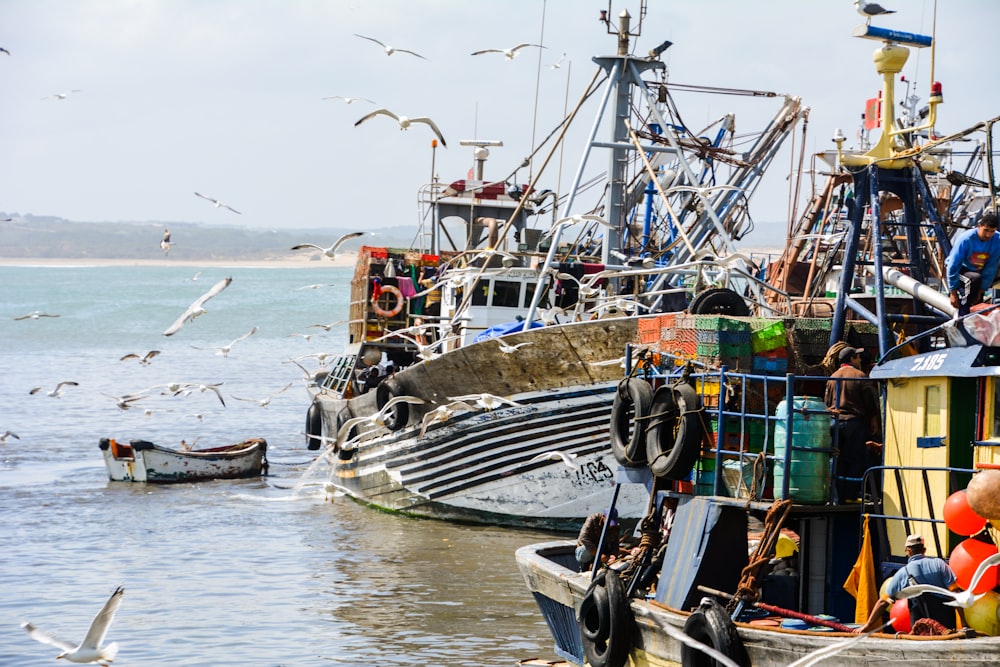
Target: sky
225	97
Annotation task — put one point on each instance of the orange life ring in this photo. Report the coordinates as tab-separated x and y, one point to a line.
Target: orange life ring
388	312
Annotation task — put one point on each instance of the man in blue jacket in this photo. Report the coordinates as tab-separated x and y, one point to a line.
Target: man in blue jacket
972	264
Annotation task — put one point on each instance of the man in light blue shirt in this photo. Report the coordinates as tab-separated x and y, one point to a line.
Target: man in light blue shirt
972	264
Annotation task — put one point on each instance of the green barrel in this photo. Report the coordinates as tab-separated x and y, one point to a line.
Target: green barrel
809	471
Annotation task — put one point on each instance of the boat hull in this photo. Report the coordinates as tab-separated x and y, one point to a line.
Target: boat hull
142	461
545	462
559	589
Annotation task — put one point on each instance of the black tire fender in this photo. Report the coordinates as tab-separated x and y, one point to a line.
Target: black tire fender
612	649
711	625
673	440
399	414
719	301
629	415
314	427
594	615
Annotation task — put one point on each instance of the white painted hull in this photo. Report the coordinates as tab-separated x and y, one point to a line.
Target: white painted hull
145	462
559	591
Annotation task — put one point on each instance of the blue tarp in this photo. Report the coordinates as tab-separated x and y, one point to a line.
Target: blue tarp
504	329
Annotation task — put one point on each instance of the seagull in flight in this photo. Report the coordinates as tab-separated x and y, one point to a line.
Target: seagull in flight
486	401
870	9
8	434
575	220
3	50
442	413
90	649
198	307
34	315
511	349
389	50
557	64
125	402
404	122
218	204
264	402
963	599
510	53
378	419
61	96
142	360
165	241
226	349
330	252
57	392
568	458
187	388
349	100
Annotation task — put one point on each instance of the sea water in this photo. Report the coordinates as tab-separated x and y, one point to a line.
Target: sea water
268	571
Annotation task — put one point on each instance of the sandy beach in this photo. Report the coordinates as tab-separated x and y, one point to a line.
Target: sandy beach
301	262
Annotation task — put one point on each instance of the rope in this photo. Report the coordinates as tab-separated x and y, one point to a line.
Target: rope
749	588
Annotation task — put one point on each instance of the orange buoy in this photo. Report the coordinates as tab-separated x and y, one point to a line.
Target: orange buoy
964	560
899	615
959	517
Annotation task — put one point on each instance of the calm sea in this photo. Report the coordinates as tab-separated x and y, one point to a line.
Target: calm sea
269	571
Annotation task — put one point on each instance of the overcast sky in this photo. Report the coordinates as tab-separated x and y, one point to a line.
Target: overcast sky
224	97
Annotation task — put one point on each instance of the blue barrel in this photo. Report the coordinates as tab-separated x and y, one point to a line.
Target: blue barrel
809	471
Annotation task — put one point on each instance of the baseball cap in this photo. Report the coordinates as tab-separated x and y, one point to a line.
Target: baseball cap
848	353
914	540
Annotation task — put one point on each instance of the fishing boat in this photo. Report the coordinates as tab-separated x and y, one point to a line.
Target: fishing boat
703	572
143	461
482	365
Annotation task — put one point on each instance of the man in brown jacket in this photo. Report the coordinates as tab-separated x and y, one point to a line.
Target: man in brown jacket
857	421
590	535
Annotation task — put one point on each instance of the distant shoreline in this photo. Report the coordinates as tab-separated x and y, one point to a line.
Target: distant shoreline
345	260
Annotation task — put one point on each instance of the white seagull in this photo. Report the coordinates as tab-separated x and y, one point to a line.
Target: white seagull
57	392
187	388
198	307
870	9
389	50
8	434
557	64
404	122
510	53
34	315
218	204
349	100
510	349
566	457
264	402
125	402
142	360
575	220
61	96
165	241
90	649
486	401
963	599
330	252
378	419
226	349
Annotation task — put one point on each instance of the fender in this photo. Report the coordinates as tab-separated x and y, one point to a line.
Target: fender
629	415
711	625
610	610
399	414
314	427
673	440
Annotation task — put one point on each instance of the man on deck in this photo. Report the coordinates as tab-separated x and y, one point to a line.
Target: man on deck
972	264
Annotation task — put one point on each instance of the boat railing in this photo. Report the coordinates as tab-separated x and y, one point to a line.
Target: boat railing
767	436
340	374
898	500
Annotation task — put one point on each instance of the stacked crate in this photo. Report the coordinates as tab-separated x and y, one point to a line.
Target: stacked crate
770	347
723	341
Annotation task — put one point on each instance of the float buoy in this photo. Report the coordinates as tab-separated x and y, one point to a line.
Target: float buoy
983	494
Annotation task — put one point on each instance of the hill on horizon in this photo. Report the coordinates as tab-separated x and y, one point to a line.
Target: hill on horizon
49	237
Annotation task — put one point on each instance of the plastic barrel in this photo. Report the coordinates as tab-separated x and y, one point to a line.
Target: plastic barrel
809	471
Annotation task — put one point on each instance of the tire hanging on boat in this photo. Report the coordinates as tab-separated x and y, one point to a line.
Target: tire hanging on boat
719	301
673	439
399	413
314	427
629	415
711	625
396	306
608	608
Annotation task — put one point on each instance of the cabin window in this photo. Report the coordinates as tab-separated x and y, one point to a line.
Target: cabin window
529	293
932	410
506	293
481	293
